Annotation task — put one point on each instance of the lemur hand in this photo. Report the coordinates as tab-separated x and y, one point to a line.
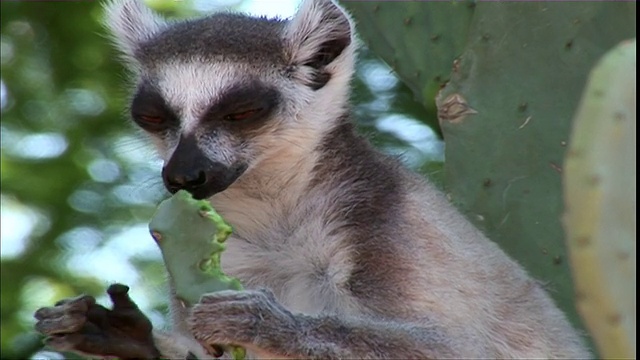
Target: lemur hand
82	326
253	319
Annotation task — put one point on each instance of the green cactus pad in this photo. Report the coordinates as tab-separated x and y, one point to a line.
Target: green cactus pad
191	237
419	40
506	116
600	198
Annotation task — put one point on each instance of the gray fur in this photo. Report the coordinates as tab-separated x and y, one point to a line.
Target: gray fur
362	258
218	37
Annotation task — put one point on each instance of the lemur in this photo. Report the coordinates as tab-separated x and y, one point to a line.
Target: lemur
344	252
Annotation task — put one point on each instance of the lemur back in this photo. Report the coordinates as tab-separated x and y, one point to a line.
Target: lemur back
361	257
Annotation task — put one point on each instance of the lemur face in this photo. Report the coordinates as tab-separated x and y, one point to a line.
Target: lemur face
208	121
218	93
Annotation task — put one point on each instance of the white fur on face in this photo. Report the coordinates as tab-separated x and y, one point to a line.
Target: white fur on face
191	88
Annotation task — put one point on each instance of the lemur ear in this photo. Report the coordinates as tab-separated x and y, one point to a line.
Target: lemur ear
131	23
318	33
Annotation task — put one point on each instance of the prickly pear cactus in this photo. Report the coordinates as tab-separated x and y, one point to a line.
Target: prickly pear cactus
516	71
506	116
600	198
419	40
191	237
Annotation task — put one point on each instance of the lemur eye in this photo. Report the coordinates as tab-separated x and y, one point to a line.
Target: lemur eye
242	115
154	120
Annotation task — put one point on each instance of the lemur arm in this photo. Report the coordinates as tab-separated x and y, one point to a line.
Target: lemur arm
332	337
256	321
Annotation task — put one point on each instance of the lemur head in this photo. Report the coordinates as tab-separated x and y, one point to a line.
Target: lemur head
222	93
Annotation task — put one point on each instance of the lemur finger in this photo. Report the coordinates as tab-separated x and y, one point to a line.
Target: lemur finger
68	316
209	340
225	295
126	314
119	347
47	312
78	305
120	297
90	328
98	315
78	300
62	342
100	345
268	294
125	311
63	324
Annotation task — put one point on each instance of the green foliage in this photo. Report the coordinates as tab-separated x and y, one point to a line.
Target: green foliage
600	197
58	97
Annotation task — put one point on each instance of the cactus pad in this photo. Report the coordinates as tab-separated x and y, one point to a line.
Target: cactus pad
506	116
600	198
191	237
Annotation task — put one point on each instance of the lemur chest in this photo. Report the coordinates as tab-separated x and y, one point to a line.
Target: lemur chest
307	266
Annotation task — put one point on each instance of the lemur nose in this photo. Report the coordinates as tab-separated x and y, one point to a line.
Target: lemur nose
200	182
187	181
191	170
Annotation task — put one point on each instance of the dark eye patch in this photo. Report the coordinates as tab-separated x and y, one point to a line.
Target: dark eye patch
252	96
150	111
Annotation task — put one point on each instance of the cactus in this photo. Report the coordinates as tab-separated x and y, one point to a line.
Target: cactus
515	81
506	115
600	197
191	237
417	39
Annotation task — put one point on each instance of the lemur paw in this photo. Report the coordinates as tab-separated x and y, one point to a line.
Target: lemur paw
82	326
250	318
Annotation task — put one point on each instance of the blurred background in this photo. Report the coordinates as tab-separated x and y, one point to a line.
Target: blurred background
79	182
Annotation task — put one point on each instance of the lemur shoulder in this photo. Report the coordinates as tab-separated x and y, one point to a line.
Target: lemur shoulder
346	254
